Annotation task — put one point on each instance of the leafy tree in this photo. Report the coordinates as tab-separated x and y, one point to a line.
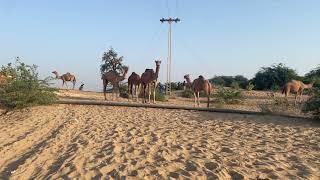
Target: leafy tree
230	81
273	77
314	75
111	61
25	89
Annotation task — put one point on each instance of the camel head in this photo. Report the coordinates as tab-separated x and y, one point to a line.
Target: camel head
56	73
125	70
158	62
187	76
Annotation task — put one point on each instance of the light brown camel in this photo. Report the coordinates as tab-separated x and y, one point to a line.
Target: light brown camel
65	78
114	78
199	84
296	87
150	79
134	81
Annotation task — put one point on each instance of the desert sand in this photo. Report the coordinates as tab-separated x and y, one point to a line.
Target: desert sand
84	142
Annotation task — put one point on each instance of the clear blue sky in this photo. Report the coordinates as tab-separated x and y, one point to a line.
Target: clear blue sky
215	37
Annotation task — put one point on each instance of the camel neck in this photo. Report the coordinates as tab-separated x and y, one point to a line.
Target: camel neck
57	76
157	71
188	81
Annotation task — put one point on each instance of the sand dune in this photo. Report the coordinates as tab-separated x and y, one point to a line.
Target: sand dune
65	141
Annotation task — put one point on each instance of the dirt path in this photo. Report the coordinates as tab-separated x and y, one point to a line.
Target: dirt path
95	142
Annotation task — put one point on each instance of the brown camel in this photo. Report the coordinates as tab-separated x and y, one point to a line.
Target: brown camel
134	81
199	84
150	79
65	78
114	78
297	87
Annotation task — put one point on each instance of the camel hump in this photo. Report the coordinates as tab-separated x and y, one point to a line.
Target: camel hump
148	70
201	77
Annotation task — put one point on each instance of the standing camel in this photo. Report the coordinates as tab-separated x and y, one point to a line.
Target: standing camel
65	78
297	87
150	79
114	78
134	81
199	84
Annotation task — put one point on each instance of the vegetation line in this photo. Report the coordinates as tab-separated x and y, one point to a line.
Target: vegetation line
162	106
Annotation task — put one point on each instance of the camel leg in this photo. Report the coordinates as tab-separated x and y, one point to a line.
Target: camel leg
74	84
195	99
198	99
208	104
136	92
295	99
154	93
149	92
105	83
144	93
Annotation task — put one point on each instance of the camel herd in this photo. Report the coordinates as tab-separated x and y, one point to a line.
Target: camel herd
149	81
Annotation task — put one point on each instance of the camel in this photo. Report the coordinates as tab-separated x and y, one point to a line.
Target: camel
134	81
114	78
65	78
199	84
297	87
150	79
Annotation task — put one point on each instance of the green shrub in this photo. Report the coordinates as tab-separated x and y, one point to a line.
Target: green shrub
187	93
160	96
123	91
25	89
277	104
313	105
235	85
229	96
250	86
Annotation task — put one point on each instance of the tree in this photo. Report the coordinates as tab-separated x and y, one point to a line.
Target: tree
111	61
230	81
273	77
314	76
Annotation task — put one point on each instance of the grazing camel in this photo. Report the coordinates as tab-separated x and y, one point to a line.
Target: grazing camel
150	79
134	81
114	78
199	84
297	87
65	78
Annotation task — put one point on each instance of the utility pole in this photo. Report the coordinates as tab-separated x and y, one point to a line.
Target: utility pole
169	60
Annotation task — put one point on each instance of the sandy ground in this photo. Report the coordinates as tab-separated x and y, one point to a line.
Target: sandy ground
67	141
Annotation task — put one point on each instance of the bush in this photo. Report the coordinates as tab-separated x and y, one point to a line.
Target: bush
235	85
277	105
25	89
250	87
160	96
229	81
123	91
229	96
313	105
274	77
187	93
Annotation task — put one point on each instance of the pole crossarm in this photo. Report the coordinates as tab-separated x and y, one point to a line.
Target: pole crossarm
162	20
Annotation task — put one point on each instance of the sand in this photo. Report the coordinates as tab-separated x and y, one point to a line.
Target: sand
84	142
